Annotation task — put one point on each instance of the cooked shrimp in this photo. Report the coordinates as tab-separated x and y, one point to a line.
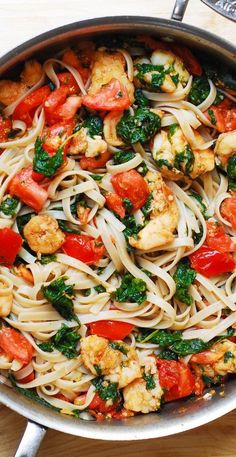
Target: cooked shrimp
164	216
32	72
10	91
82	143
6	297
116	360
139	399
219	360
176	159
106	66
171	63
25	273
225	147
82	213
43	234
109	128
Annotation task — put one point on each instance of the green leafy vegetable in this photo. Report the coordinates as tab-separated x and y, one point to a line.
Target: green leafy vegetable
167	354
186	347
184	160
106	390
172	129
175	79
45	163
163	163
31	394
140	99
150	383
184	277
61	296
127	204
22	221
66	340
132	229
122	157
47	258
94	125
200	90
146	209
231	167
98	369
9	206
138	127
232	185
212	116
163	338
197	236
118	346
100	289
65	227
131	290
201	205
143	168
96	177
227	356
150	76
47	346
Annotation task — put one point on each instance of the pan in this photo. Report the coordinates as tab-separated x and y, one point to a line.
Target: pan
175	417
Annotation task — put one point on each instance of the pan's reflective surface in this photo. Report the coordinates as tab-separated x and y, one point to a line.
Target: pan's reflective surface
178	416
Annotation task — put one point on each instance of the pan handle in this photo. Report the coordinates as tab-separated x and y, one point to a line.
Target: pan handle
31	440
179	10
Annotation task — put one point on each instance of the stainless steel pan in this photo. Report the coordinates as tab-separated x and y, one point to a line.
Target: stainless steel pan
178	416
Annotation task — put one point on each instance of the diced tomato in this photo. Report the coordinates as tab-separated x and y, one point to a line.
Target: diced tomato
56	135
176	377
25	110
15	345
219	117
230	120
217	238
190	61
111	97
10	244
226	104
100	405
112	330
24	187
91	163
28	378
225	119
62	397
67	79
131	185
228	210
83	248
122	414
210	262
5	128
115	203
56	98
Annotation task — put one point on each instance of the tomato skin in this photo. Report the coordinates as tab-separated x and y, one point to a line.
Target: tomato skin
83	248
23	186
28	378
56	134
24	110
217	238
225	117
67	79
115	203
190	61
5	128
10	245
61	397
91	163
111	97
15	345
112	330
210	262
176	377
56	98
228	210
131	185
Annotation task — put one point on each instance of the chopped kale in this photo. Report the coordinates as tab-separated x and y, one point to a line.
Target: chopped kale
66	229
140	99
163	163
163	338
231	167
122	157
212	381
232	185
47	346
45	163
146	209
61	296
100	289
184	160
202	205
96	177
131	290
227	356
127	204
150	76
106	390
184	277
200	90
212	116
172	129
142	168
94	125
66	340
118	347
9	206
175	79
138	127
22	221
47	258
167	354
186	347
150	383
132	229
98	369
197	236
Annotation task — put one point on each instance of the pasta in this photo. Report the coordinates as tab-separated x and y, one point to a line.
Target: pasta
117	228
